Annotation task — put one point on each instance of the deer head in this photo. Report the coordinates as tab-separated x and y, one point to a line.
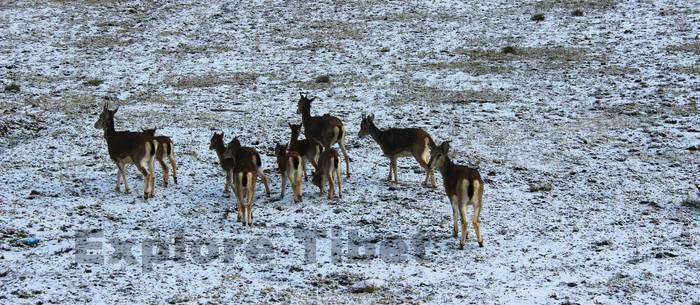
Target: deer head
304	103
106	117
438	155
366	124
216	140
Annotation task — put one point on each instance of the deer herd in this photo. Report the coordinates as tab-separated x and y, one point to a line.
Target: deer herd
242	166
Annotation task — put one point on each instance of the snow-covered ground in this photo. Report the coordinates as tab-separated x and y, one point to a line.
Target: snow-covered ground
601	107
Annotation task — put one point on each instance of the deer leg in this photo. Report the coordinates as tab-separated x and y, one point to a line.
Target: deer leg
122	169
393	169
146	179
322	184
303	167
251	196
119	175
284	185
298	186
152	174
331	186
455	215
477	216
166	172
239	205
262	176
341	143
173	164
340	182
463	218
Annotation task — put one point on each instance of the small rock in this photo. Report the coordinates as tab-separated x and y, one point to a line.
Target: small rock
540	187
323	79
368	286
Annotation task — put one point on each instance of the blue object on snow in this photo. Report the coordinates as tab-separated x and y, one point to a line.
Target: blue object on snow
31	241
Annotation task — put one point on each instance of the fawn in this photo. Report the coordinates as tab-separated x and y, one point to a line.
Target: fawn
309	149
164	149
328	170
216	143
289	165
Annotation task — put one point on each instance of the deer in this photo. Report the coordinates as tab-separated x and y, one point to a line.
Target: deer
127	147
243	178
216	143
290	167
401	142
308	149
328	169
326	129
165	149
249	155
463	186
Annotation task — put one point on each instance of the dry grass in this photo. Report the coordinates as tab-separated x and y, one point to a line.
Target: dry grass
212	80
345	80
104	41
685	48
195	49
419	92
469	66
328	30
319	45
693	70
523	54
409	16
576	4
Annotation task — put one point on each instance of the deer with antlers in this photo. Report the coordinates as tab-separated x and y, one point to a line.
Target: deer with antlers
326	129
310	150
400	142
165	149
328	170
289	165
127	147
463	186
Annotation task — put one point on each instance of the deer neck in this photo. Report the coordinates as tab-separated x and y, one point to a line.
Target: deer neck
376	133
447	165
109	130
305	115
220	149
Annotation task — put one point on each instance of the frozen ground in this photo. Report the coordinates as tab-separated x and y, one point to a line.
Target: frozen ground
603	107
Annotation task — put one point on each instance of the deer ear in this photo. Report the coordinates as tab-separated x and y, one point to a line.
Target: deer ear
312	99
432	145
371	116
446	145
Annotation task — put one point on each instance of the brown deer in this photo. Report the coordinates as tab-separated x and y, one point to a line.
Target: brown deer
289	165
325	129
243	181
463	186
309	149
127	147
328	169
247	155
164	149
401	142
217	144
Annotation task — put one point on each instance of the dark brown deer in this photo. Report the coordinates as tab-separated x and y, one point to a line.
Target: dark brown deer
289	165
401	142
247	155
308	149
329	169
325	129
463	186
165	149
217	144
127	147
